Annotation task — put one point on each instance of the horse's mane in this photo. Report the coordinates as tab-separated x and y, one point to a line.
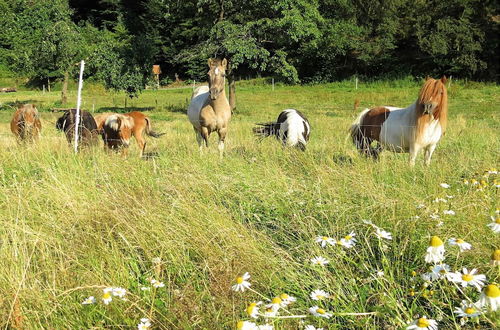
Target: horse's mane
431	88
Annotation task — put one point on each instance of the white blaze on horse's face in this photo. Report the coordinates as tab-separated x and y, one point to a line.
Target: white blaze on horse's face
431	102
216	77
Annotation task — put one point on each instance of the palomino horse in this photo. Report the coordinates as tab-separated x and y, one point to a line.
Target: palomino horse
411	129
119	128
25	123
209	109
291	127
87	131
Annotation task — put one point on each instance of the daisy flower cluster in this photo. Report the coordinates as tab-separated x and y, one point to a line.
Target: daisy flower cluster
489	179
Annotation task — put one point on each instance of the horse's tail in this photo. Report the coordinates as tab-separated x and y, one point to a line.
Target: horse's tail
355	130
266	129
149	131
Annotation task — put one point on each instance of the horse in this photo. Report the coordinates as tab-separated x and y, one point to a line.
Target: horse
119	128
25	123
209	109
291	127
419	126
88	134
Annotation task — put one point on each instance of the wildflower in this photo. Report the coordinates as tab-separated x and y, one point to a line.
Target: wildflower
145	324
319	295
275	304
145	288
490	297
311	327
449	212
492	171
439	271
380	273
450	196
246	325
324	240
349	241
463	245
435	251
444	185
265	327
467	278
370	223
440	200
90	300
467	309
157	284
426	277
411	293
242	283
156	260
434	216
319	261
420	206
106	297
286	299
465	181
270	312
119	292
495	225
495	258
496	183
380	233
320	312
253	309
423	323
474	182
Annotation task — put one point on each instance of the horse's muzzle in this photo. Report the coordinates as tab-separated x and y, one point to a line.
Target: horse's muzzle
214	93
429	108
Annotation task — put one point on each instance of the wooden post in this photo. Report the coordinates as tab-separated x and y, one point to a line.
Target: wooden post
356	82
43	89
449	82
273	83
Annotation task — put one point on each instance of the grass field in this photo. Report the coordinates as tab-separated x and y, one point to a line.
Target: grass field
75	224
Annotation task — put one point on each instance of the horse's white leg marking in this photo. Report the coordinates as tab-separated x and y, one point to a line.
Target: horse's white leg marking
428	154
414	149
199	139
222	136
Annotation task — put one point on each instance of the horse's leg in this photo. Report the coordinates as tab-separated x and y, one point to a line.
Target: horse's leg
414	149
222	137
428	154
204	134
140	141
199	139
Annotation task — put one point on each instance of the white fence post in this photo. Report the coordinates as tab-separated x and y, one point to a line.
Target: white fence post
78	104
273	83
356	82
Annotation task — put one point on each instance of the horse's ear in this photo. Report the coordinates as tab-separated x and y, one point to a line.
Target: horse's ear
427	77
210	62
443	79
224	63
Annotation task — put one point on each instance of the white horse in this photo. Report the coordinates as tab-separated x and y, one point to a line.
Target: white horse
291	127
209	109
419	126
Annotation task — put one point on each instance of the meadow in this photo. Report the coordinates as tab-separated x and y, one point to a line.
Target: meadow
72	225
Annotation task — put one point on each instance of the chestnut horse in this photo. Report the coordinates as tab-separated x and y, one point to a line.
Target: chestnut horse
25	123
87	131
411	129
209	109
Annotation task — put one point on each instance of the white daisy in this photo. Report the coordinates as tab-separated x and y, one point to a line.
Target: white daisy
440	200
490	297
145	288
467	278
467	309
435	251
380	233
320	312
449	212
495	224
311	327
319	261
119	292
349	241
439	271
445	185
246	325
380	273
145	324
492	171
324	240
275	304
253	309
265	327
157	284
156	260
420	206
368	222
434	216
319	295
427	277
286	299
270	312
423	323
90	300
495	258
463	245
242	283
107	295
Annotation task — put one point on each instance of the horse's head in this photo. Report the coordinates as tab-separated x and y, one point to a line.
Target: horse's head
216	76
29	115
432	95
118	130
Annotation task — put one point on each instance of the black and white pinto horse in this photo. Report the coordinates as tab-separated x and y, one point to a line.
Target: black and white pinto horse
291	128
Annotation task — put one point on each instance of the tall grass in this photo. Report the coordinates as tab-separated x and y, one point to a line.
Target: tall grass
73	224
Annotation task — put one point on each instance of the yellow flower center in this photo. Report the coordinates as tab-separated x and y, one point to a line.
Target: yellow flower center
320	296
412	293
413	273
497	221
423	323
277	300
239	280
324	238
320	311
284	296
442	271
460	241
492	291
250	308
470	310
107	295
496	255
436	241
467	277
348	237
240	325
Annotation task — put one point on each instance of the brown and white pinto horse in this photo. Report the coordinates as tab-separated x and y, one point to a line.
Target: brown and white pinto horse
117	130
25	123
411	129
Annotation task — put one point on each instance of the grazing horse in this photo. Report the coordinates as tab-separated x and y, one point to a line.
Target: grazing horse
209	109
119	128
88	134
291	127
25	123
411	129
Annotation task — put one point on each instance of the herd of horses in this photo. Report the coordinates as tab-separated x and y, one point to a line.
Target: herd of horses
411	129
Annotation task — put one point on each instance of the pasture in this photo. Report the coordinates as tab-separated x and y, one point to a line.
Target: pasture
72	225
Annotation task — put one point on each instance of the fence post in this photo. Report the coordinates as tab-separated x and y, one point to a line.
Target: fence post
356	82
273	83
78	104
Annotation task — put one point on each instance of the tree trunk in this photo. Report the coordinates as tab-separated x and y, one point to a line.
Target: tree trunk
64	90
232	91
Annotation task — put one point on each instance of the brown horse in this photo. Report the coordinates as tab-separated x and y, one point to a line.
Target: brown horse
25	123
209	109
88	134
117	129
411	129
